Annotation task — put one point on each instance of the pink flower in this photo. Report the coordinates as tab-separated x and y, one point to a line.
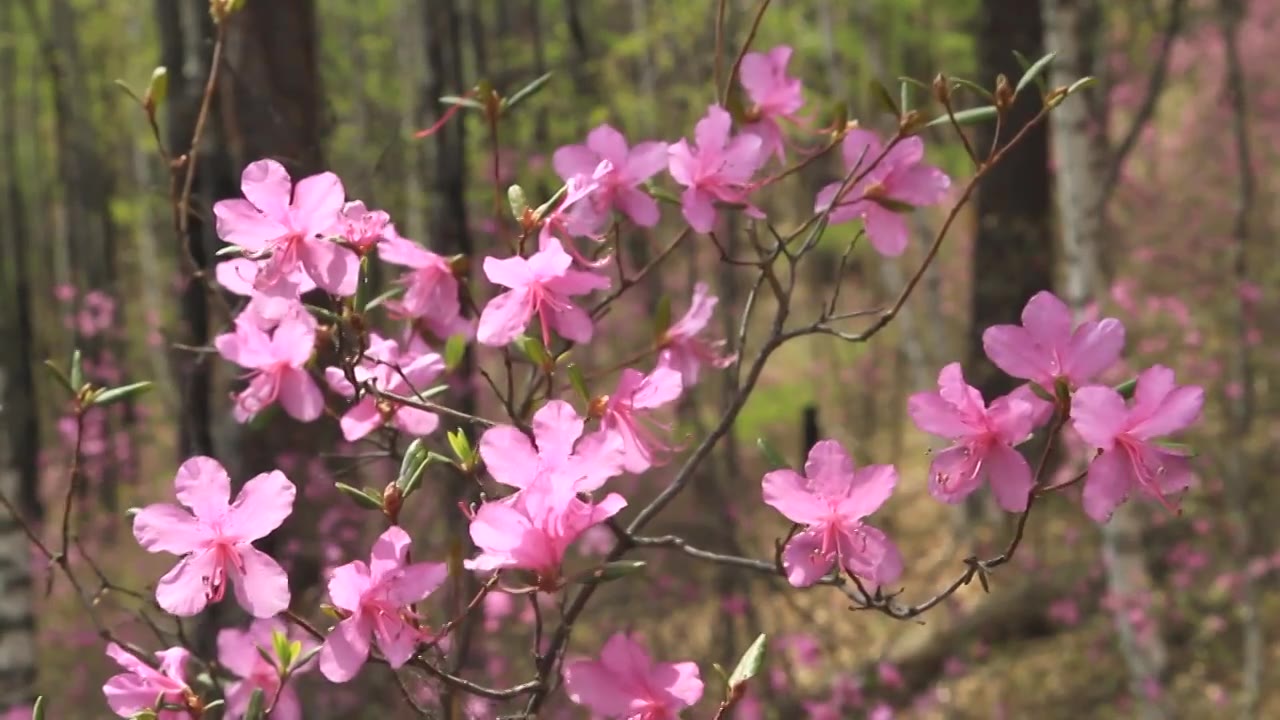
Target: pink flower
431	290
560	224
363	228
541	284
265	310
683	350
390	370
1045	348
238	651
984	440
626	683
617	188
831	499
623	414
774	96
716	167
379	597
137	689
1128	458
215	539
287	225
533	528
896	184
277	364
562	455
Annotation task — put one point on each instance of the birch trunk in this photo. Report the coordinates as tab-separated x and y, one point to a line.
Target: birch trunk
17	621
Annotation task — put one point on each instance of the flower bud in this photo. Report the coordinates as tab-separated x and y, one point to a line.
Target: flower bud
942	89
1004	93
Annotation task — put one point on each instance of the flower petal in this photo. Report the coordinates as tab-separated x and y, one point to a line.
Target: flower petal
300	395
204	486
267	185
789	493
803	560
262	588
869	554
1010	477
345	649
505	317
317	204
1094	347
556	427
183	590
1098	414
262	505
509	455
167	528
1108	484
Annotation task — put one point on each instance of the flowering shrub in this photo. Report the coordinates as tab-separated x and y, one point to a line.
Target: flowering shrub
560	446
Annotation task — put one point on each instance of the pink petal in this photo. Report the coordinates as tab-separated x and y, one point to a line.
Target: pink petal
267	185
1047	319
920	186
1180	410
397	640
696	206
1012	349
1010	477
659	387
294	341
237	275
697	316
403	251
167	528
1013	416
413	583
300	396
572	323
504	318
887	230
508	455
204	486
712	131
262	506
362	419
345	649
609	144
238	652
1094	347
626	658
1098	414
869	488
573	160
637	205
556	427
287	705
681	683
512	272
828	465
870	555
181	591
578	282
348	583
789	493
1107	485
644	161
389	553
239	223
416	423
951	474
936	416
249	346
589	683
262	589
681	163
335	269
859	149
317	204
803	560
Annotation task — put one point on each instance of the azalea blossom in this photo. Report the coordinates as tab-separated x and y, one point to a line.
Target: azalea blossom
430	288
899	182
540	284
277	364
140	686
532	529
265	310
362	228
1129	457
559	223
831	500
214	538
715	167
984	440
1047	347
774	95
682	349
377	600
562	453
623	414
626	683
390	370
239	652
617	189
286	226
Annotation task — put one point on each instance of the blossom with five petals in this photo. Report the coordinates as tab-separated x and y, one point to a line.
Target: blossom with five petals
626	683
682	349
238	652
540	284
1048	347
277	364
623	411
617	188
137	689
394	371
715	167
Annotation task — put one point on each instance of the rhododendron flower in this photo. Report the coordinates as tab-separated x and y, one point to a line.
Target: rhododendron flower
215	539
393	371
623	413
363	228
559	224
277	364
1129	458
562	454
532	529
830	500
984	440
431	290
264	310
238	651
898	183
683	350
626	683
615	189
287	225
1046	348
378	598
774	96
715	167
138	689
540	284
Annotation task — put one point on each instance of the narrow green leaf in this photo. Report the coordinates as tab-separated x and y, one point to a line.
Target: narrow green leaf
62	378
1033	72
1127	387
455	349
414	455
361	498
609	572
545	207
320	312
750	664
662	194
1083	83
534	350
383	298
124	392
662	317
37	710
972	116
77	370
918	83
128	90
461	446
1177	448
280	643
463	101
882	94
975	87
775	459
526	92
1023	62
216	704
229	250
904	95
257	706
578	382
363	285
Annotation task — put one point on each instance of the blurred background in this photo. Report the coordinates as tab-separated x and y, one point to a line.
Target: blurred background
1146	199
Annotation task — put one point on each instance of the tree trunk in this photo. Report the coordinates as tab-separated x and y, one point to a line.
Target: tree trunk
17	621
1072	29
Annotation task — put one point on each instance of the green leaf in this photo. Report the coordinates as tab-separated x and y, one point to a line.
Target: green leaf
750	664
323	313
295	650
461	446
904	95
280	643
609	571
463	101
971	85
516	199
117	394
455	349
157	88
545	207
1083	83
383	298
662	194
414	455
775	459
77	371
1040	392
257	706
144	715
62	378
1177	448
361	497
37	710
1033	72
578	382
662	317
229	250
882	94
534	350
972	116
526	92
214	705
1126	388
363	285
